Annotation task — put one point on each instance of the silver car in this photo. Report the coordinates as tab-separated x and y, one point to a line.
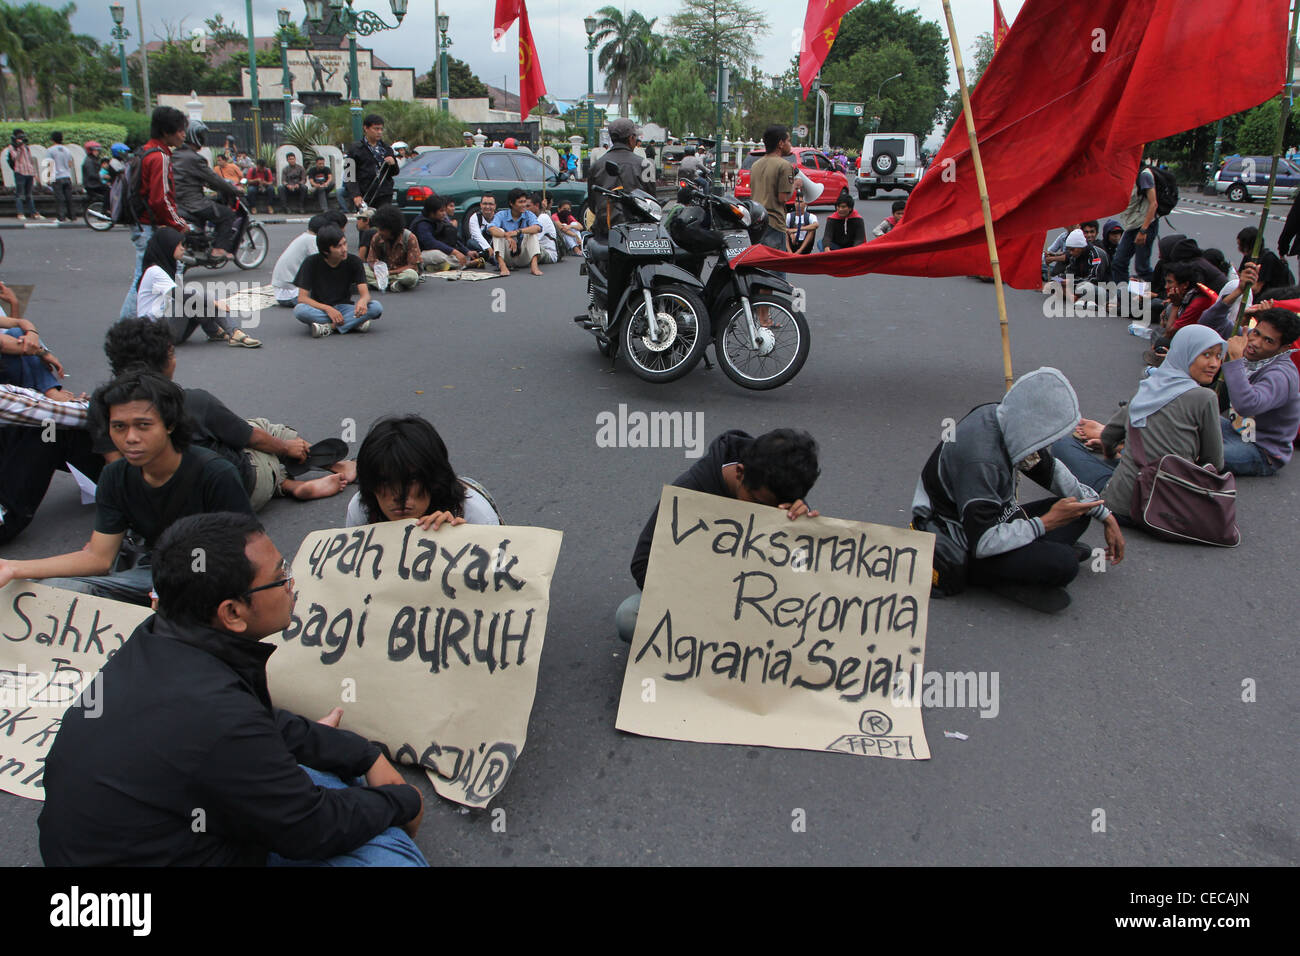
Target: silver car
1243	178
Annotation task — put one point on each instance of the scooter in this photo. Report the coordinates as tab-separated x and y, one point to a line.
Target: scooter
639	302
251	243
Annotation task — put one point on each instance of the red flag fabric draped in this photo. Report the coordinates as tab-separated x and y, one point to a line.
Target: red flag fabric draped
999	26
1062	114
531	85
820	24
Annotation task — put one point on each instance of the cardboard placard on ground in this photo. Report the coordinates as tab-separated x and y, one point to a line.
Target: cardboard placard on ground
429	640
52	643
755	629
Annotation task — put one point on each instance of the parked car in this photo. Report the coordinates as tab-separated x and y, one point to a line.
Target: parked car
465	174
813	163
889	161
1244	177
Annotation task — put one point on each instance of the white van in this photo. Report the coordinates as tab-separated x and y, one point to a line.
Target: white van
889	161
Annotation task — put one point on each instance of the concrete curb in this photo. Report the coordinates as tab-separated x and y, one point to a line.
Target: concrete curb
81	223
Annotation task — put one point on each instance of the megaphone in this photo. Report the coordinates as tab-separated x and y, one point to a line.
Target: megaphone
811	190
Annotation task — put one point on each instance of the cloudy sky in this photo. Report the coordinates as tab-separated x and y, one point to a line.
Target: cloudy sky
557	28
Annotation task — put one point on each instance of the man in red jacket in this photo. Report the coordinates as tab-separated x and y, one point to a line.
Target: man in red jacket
157	191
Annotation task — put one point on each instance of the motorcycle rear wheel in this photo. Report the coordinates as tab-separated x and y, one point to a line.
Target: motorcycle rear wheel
252	248
97	217
682	318
776	358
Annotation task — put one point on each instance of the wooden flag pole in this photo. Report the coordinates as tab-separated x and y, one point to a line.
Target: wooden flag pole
984	196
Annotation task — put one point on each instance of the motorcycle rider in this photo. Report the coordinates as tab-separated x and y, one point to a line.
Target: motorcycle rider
635	172
192	173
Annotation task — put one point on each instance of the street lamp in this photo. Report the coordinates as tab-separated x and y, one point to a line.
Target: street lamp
876	118
590	24
353	22
444	21
286	80
121	35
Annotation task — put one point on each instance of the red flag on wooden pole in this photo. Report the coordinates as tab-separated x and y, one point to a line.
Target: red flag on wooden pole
820	24
999	25
531	84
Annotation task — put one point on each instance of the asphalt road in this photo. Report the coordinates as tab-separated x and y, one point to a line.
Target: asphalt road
1130	701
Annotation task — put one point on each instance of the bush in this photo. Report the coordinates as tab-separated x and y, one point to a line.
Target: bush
137	124
38	133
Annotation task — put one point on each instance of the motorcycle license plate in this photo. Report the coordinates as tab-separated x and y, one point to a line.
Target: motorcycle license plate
736	243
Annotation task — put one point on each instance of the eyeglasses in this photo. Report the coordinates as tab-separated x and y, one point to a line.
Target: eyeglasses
287	577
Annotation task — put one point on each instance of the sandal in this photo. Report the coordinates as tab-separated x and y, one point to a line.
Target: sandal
240	339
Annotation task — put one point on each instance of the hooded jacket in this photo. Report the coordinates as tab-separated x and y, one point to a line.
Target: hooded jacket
969	483
186	723
1179	248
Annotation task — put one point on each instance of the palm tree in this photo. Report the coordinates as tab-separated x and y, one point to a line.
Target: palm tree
626	52
11	45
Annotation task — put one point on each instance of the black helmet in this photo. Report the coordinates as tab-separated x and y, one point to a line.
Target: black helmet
197	134
689	231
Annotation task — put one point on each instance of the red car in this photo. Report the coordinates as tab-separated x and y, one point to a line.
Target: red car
813	163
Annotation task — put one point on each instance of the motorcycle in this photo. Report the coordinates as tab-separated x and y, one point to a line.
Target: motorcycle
760	339
639	301
251	243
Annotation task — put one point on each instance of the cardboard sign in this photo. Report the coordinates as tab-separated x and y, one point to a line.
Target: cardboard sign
429	640
755	629
52	644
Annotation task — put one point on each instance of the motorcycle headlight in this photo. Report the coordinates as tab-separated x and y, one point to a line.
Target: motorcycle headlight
651	209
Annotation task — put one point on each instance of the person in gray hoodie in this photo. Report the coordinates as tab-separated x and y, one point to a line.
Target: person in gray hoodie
967	492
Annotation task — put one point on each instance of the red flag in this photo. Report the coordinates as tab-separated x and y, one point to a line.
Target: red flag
531	85
999	26
820	24
1062	114
507	13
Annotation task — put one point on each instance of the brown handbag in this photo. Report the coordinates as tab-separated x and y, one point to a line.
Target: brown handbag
1178	500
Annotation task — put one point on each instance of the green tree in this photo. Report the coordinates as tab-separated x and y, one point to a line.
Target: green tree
625	52
677	100
11	45
1257	132
974	70
726	28
462	83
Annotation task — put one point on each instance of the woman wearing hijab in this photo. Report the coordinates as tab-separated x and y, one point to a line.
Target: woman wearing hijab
1176	410
156	296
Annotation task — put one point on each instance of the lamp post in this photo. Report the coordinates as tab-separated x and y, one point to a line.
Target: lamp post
444	21
878	100
724	76
590	24
256	108
121	35
353	22
286	80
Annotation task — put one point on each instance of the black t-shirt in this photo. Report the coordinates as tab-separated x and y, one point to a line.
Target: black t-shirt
318	176
204	483
331	285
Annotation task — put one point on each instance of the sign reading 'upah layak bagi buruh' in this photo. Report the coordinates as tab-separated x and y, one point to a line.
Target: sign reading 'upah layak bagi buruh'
755	629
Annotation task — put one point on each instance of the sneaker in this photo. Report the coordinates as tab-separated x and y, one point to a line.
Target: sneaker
364	326
22	218
321	329
37	215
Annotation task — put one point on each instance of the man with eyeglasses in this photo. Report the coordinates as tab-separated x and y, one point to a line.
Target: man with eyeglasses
179	758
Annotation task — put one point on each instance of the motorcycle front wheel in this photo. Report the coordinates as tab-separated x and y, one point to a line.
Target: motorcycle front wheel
252	248
777	355
97	217
683	327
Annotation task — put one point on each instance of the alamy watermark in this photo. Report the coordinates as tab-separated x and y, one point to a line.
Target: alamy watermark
635	429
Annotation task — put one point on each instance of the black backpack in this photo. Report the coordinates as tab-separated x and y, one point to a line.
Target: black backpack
125	202
1166	190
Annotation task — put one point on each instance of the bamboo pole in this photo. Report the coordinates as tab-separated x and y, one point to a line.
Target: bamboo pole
984	196
1284	113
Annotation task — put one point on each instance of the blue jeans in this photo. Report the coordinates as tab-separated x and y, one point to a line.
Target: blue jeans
23	193
1125	250
1091	469
140	236
1244	458
26	370
309	315
132	586
391	848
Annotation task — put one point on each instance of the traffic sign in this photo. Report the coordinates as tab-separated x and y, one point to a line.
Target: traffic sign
848	109
801	131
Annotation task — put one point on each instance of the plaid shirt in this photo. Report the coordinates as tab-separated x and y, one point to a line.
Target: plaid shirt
25	406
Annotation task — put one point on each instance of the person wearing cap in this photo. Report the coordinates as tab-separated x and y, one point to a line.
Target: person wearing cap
364	232
373	167
1086	265
634	172
90	173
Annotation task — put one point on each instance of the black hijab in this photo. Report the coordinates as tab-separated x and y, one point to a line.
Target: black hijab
159	251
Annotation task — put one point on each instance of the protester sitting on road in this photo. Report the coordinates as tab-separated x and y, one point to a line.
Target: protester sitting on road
514	232
299	248
1273	272
1263	387
31	454
1221	315
967	491
1187	298
800	227
190	725
892	220
364	232
1111	232
1086	267
293	184
1054	257
1176	410
440	244
261	186
397	248
157	297
404	474
327	281
160	478
477	229
569	227
548	238
844	228
1180	248
25	361
262	451
778	469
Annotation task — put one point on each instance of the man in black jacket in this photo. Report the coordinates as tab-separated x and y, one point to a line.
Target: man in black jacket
186	762
369	167
191	173
634	172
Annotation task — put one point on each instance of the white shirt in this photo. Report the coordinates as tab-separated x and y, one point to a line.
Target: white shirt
546	238
154	296
287	266
477	510
807	222
476	238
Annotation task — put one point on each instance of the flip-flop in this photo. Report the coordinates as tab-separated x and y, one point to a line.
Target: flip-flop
324	453
241	339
